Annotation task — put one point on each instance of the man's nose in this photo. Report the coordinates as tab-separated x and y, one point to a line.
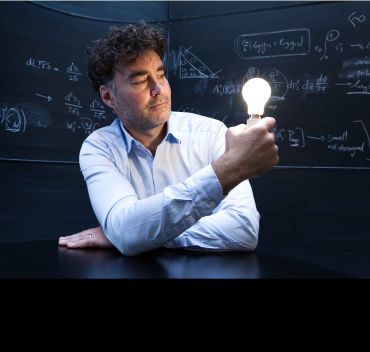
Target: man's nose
156	88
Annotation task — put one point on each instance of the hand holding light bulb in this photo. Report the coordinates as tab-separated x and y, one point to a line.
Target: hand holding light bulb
256	92
249	152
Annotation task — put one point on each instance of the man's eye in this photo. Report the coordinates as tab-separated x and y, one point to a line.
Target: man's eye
138	83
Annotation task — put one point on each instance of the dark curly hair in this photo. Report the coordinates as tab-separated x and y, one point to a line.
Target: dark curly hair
122	46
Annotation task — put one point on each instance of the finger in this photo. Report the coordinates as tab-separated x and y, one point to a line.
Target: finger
63	241
269	122
74	240
80	243
81	237
77	235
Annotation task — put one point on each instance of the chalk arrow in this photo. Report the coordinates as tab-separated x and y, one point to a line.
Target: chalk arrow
49	98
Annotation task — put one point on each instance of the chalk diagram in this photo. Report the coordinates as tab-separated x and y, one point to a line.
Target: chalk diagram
278	83
14	119
193	67
252	72
17	118
276	79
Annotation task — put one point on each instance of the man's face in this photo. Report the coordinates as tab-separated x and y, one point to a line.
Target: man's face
142	98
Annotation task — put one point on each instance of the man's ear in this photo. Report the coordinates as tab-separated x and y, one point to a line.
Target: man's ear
106	95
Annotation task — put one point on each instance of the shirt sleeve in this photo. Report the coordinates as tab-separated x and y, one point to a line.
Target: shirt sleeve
133	225
233	224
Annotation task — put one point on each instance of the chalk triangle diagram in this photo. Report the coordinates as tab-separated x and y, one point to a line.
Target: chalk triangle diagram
192	67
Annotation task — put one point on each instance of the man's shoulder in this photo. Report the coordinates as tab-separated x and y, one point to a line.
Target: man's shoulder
106	139
187	122
106	134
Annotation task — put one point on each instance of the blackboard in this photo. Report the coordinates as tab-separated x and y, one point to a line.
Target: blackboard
316	58
186	10
111	11
42	201
47	107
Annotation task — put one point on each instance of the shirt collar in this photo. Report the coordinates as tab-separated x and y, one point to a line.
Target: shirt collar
127	138
172	135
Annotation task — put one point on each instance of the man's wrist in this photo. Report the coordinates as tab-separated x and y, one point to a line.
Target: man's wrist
226	173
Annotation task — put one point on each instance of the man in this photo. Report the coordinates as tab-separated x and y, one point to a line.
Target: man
160	178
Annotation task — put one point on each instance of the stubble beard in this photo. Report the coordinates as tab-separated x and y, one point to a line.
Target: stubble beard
143	121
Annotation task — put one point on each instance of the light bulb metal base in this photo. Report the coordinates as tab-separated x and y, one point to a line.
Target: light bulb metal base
253	118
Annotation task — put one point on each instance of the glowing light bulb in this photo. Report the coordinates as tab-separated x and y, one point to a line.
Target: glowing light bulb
256	92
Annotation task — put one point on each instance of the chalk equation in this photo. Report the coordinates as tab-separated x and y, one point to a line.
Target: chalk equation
41	64
85	121
355	76
290	42
84	124
297	41
73	103
97	109
73	72
347	140
280	84
352	141
87	116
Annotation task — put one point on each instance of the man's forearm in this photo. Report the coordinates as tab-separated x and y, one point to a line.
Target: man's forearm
135	226
233	225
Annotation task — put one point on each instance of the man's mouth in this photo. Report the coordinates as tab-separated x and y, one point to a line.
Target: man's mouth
159	104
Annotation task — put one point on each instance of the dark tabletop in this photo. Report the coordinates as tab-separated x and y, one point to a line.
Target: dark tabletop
45	259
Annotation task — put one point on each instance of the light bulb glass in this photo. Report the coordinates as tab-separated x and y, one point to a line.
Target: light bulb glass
256	92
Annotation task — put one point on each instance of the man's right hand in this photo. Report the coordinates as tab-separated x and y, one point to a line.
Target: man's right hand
249	152
93	237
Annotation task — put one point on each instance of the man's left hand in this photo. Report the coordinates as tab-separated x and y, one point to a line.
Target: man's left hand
93	237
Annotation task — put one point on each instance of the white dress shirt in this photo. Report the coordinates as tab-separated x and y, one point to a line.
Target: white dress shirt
173	199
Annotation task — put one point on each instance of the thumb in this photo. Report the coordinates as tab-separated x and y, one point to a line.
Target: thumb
269	122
